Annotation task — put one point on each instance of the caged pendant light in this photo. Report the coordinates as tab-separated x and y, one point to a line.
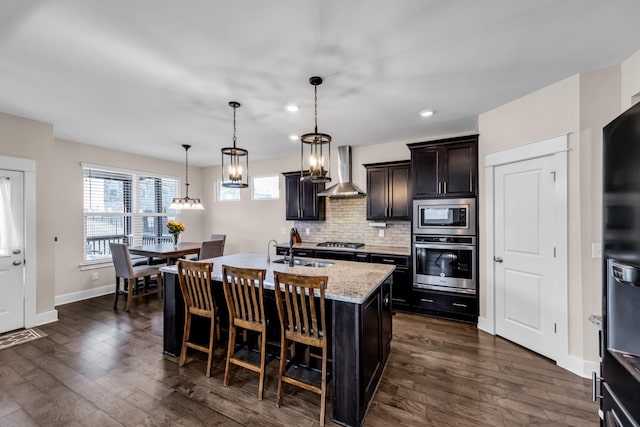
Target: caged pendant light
315	148
235	161
179	203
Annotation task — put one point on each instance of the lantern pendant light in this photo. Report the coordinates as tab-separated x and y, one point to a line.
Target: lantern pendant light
235	161
315	148
179	203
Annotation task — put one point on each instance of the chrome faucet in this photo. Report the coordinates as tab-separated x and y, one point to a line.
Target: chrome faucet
291	234
268	249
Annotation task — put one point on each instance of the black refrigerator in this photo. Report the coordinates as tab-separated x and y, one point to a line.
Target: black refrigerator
619	386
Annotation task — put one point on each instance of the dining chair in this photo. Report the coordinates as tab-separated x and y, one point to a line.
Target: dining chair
222	237
302	320
244	293
211	249
130	273
195	285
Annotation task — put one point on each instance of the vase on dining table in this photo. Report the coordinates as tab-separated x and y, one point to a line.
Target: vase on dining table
175	240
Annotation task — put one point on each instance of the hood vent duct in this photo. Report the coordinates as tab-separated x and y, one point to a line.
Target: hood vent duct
344	187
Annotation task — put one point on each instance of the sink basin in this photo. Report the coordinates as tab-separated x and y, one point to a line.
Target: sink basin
319	264
304	262
296	261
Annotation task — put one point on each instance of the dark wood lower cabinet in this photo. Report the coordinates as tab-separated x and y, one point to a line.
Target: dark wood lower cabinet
360	341
446	304
402	279
364	359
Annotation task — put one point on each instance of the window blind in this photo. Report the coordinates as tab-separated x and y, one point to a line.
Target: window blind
125	208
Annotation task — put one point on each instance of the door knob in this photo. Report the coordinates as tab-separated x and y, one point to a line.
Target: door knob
17	262
497	259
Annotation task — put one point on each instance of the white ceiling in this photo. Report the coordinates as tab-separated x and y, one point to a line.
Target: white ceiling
146	76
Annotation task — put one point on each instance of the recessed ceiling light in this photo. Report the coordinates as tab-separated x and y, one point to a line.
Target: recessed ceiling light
292	108
293	137
426	113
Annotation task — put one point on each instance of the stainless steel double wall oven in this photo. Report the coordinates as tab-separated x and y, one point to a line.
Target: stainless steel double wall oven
444	245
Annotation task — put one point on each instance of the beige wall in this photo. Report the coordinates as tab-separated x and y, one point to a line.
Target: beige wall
579	106
68	157
546	113
30	139
249	224
599	104
630	81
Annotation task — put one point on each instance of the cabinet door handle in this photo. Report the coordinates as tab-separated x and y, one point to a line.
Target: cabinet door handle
596	386
426	300
439	187
387	260
444	186
457	304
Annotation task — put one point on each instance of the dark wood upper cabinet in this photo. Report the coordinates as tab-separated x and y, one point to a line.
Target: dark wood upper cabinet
301	198
445	168
388	190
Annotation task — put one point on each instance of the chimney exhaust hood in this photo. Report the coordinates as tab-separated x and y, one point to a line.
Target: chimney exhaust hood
344	188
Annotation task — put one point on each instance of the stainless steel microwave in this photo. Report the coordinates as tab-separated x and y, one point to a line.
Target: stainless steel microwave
444	216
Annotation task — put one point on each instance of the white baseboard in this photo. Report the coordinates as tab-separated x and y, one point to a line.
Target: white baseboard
484	324
578	366
44	318
86	294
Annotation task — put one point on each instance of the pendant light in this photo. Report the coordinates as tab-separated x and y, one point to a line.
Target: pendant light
186	202
315	148
235	161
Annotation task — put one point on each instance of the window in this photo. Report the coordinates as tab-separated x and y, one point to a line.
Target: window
124	207
227	193
266	188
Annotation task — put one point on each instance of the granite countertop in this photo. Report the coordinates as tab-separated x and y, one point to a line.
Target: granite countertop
373	249
348	281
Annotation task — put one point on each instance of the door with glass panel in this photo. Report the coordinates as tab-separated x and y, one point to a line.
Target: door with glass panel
11	250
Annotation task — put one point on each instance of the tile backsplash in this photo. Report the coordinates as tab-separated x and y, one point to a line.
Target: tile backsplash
345	221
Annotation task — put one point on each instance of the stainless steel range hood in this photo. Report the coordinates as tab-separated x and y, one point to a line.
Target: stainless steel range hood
344	187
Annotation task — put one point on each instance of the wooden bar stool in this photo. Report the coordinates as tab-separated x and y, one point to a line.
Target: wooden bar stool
195	284
302	320
244	293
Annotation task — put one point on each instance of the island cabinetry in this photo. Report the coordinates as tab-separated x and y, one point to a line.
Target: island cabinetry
359	330
301	198
446	304
445	168
402	279
363	359
388	191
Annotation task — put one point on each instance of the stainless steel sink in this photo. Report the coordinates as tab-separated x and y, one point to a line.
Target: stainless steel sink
304	262
319	264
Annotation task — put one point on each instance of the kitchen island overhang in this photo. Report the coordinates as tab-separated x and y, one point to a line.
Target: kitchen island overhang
359	296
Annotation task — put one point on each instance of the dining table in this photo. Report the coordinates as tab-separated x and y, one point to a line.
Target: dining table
167	251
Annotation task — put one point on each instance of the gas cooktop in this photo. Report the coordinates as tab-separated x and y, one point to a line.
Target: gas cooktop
348	245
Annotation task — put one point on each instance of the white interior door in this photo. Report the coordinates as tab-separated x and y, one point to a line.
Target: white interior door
12	274
524	253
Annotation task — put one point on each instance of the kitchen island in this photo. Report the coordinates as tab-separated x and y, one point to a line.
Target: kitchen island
358	321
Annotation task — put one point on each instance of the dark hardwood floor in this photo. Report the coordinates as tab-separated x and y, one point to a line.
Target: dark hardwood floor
101	367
